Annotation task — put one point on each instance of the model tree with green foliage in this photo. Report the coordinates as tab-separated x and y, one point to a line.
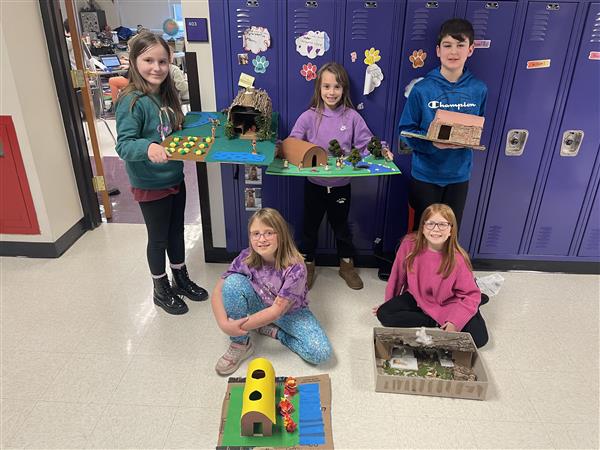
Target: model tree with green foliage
375	147
335	149
354	157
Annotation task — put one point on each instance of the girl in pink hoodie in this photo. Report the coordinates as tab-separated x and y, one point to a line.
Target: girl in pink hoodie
431	283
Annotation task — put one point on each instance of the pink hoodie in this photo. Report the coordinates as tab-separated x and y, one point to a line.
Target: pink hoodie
453	299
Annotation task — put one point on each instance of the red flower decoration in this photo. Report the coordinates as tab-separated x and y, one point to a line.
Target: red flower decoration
285	406
309	71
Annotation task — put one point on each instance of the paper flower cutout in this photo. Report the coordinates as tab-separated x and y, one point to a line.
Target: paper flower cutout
371	56
309	71
418	58
260	64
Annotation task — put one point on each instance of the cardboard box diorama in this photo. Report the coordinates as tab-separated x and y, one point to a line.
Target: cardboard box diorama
450	127
428	361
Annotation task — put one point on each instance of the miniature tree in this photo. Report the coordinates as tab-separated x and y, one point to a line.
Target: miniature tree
228	130
354	157
375	147
335	149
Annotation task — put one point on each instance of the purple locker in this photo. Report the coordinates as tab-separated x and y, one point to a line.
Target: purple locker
243	15
302	17
421	26
543	49
590	245
571	167
493	25
367	25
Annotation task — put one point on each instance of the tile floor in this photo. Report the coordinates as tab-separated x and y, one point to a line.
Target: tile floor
89	362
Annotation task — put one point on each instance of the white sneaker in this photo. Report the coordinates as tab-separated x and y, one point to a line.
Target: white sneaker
233	357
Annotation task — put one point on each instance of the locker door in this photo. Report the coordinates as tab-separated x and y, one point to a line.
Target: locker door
302	17
367	26
421	26
492	22
590	245
229	20
543	49
570	172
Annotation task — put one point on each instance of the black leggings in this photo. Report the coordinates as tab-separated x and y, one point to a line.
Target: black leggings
164	221
422	195
403	311
336	203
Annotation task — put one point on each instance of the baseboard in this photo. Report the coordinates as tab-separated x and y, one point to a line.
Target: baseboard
45	249
575	267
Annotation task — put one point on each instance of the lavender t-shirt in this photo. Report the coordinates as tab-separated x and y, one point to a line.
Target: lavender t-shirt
343	124
268	282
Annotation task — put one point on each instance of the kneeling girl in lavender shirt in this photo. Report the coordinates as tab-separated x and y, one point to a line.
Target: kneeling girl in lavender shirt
265	290
431	283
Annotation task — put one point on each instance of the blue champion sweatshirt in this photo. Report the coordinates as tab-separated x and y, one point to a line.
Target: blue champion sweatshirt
467	95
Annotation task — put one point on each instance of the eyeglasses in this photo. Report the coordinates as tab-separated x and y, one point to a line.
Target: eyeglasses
442	226
268	235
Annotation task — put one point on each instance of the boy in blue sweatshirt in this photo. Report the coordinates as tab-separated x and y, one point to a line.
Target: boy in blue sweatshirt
440	172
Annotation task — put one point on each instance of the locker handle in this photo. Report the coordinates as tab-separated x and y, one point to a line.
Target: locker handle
571	142
515	142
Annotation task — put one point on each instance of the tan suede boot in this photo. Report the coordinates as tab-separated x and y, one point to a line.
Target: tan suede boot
349	274
310	273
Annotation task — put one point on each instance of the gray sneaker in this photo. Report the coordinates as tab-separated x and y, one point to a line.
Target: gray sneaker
233	357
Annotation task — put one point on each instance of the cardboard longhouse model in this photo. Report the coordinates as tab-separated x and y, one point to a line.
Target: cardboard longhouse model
250	114
450	127
303	154
258	401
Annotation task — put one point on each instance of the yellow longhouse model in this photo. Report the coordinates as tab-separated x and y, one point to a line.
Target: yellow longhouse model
258	401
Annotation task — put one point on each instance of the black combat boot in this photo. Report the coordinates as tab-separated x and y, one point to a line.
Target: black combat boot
166	298
184	286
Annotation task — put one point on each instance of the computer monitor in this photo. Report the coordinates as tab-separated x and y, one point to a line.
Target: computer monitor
110	61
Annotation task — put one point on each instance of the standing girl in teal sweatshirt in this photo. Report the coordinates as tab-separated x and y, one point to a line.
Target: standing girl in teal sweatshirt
149	110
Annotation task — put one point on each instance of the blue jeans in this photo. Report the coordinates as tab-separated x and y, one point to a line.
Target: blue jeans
299	330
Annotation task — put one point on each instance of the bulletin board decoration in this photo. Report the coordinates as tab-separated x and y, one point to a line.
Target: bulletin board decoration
309	71
417	58
220	149
311	412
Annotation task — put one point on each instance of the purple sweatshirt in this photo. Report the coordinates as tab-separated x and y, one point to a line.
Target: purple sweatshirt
453	299
343	124
269	283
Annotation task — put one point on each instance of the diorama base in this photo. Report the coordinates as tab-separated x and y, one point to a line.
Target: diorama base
221	149
312	414
368	167
440	141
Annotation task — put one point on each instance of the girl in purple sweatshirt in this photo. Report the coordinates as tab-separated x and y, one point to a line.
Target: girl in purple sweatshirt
432	282
331	116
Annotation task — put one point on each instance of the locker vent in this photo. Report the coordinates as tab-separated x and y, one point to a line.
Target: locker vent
242	20
419	28
360	24
540	26
480	20
301	22
595	37
493	236
592	244
543	238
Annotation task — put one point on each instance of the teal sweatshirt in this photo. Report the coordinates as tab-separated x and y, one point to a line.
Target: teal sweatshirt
137	128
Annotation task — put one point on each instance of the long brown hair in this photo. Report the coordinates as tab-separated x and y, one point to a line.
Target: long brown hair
168	93
451	246
286	253
341	76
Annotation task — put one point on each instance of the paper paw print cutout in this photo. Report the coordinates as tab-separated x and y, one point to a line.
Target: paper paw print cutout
260	64
418	58
309	71
371	56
